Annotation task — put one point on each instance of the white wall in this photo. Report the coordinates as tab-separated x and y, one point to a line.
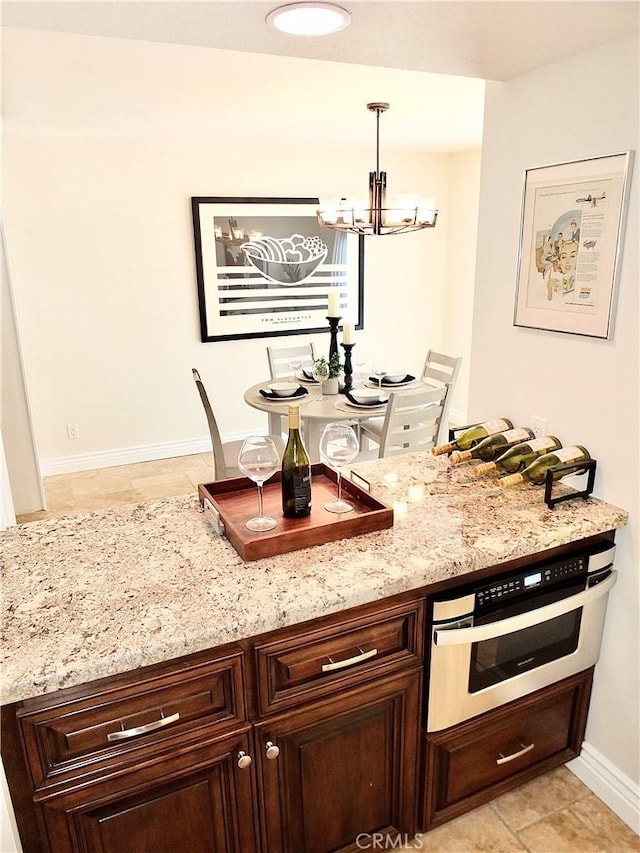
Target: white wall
587	388
98	221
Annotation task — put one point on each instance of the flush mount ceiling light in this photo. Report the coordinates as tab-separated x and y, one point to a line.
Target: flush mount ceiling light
408	213
309	19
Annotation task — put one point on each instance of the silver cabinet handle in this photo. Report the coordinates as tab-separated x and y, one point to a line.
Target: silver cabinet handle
272	751
466	636
244	760
340	664
505	759
142	730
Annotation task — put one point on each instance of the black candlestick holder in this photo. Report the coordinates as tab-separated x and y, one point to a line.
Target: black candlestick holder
348	370
333	331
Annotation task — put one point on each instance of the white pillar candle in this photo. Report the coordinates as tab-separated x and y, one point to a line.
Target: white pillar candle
334	304
347	333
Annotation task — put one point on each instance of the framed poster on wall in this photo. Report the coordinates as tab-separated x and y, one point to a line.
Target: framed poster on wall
571	235
264	267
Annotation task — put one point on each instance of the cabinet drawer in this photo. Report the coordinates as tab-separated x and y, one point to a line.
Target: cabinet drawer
302	665
77	731
477	760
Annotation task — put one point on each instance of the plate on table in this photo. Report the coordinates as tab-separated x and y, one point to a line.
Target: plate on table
302	376
269	395
343	405
372	382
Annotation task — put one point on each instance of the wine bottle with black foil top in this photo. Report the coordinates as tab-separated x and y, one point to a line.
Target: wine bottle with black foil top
517	458
537	472
492	445
296	471
470	437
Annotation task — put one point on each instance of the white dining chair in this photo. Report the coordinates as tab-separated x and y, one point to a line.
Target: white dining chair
411	423
225	453
279	359
439	371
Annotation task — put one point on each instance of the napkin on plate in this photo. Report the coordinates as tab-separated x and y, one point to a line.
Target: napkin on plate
407	378
271	396
357	403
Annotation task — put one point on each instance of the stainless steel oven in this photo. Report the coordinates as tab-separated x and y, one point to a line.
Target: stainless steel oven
504	639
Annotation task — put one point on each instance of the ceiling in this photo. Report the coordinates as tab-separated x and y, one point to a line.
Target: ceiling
457	43
491	40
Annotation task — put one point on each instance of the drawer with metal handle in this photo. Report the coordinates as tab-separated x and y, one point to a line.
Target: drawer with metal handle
301	665
77	730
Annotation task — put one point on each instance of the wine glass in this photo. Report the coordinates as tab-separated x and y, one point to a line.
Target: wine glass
360	358
379	369
320	370
258	459
295	363
338	447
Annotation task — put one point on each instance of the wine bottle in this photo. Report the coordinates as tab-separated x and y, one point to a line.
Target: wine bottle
519	456
492	445
296	471
470	437
537	472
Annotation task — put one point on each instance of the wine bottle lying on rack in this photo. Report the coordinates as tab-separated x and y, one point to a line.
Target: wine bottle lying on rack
517	458
471	436
536	472
492	445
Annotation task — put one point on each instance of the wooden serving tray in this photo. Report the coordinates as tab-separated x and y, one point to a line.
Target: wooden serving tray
229	503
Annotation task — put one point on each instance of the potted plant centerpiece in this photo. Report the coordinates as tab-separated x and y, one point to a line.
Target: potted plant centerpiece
328	372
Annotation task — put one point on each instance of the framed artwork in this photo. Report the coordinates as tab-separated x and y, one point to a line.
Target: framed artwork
573	217
265	267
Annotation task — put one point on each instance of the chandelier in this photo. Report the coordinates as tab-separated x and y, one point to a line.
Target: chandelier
352	214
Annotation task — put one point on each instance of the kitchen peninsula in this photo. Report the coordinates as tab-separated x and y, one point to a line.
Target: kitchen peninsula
102	594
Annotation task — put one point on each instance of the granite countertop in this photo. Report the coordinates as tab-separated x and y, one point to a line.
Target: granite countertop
100	593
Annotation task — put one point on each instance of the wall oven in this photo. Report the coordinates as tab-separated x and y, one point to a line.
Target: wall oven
506	638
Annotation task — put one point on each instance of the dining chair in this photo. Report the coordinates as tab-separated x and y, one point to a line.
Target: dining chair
442	370
279	359
225	453
411	423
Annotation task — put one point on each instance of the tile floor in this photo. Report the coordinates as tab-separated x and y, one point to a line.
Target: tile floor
553	814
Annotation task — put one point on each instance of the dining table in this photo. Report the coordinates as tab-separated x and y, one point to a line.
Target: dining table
316	409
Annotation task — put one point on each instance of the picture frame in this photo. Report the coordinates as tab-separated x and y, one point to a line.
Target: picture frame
265	267
571	234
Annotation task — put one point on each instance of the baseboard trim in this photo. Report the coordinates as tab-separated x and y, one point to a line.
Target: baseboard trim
607	782
128	455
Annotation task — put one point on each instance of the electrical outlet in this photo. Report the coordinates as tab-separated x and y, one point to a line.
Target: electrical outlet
539	426
72	431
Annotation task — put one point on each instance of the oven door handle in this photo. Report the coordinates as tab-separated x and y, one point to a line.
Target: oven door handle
466	636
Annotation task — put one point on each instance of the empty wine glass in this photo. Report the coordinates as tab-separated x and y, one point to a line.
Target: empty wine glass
338	447
379	369
258	459
320	370
295	363
360	358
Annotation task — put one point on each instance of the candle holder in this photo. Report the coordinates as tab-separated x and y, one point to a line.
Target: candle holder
348	370
333	331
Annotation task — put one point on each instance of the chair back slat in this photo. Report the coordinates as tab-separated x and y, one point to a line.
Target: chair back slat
411	421
445	369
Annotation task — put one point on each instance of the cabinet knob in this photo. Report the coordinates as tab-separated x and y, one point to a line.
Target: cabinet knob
244	760
272	750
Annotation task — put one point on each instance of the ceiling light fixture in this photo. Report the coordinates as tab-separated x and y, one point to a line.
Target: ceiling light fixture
409	213
309	19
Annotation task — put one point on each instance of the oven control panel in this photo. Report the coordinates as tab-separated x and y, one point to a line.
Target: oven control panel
502	590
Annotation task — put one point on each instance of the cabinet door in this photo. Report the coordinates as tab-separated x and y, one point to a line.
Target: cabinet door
344	766
200	801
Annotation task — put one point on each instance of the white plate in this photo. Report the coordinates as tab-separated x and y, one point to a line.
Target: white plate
387	387
347	406
302	378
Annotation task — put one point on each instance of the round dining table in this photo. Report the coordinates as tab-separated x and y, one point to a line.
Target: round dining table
316	410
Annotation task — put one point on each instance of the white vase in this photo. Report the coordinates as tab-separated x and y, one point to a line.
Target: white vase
330	386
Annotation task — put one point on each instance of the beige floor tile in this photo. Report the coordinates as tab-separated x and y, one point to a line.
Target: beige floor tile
167	481
539	798
480	831
561	832
607	827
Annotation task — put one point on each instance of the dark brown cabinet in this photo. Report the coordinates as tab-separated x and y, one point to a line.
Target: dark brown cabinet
295	741
475	761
